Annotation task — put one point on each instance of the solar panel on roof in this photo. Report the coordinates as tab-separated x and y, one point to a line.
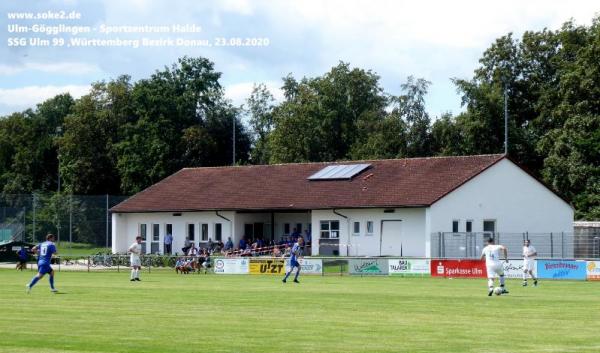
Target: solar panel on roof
339	171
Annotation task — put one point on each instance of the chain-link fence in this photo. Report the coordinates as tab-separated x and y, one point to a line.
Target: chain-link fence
118	263
76	219
579	245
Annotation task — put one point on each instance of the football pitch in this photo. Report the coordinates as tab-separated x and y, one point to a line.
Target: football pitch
104	312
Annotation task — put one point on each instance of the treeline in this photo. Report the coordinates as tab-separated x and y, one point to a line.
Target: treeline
125	136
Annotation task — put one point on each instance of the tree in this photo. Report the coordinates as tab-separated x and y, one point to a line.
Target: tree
27	146
410	106
260	110
87	148
319	118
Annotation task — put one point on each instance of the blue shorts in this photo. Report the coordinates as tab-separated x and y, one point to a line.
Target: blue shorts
294	263
43	269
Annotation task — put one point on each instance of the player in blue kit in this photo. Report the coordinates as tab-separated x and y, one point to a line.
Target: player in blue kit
295	255
45	251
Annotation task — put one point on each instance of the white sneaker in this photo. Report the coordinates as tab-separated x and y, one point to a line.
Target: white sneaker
27	289
54	290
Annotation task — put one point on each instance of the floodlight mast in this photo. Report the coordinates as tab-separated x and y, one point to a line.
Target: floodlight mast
505	120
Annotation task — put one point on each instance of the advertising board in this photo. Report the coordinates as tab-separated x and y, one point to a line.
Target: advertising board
562	269
458	268
231	266
409	267
368	267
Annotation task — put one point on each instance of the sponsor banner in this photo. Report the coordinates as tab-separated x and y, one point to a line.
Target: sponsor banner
562	269
514	268
267	266
458	268
409	267
231	266
308	266
593	270
368	266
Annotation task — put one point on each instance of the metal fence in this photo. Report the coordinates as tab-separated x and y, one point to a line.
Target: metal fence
117	262
579	245
73	218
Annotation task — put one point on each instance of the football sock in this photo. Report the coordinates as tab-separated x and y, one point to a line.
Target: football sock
132	274
34	281
287	275
137	273
502	281
490	283
297	274
51	280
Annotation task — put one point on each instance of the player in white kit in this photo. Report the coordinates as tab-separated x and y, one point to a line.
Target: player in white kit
135	250
529	255
494	265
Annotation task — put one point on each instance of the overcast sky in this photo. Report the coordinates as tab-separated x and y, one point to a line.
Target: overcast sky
435	40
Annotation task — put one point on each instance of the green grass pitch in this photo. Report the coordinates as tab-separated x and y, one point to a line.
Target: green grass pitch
104	312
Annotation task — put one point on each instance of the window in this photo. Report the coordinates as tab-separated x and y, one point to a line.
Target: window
169	229
299	227
489	226
249	230
356	228
218	231
330	229
204	232
143	231
191	231
286	229
369	227
155	232
469	226
455	226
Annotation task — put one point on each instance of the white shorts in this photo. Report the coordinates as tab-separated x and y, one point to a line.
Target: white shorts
495	269
135	261
528	264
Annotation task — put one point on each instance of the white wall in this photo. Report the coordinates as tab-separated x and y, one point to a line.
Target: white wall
363	244
507	194
127	227
119	228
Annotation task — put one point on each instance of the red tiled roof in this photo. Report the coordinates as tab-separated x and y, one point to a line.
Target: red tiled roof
410	182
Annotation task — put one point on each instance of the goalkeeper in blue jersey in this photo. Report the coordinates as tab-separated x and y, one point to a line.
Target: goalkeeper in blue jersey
294	256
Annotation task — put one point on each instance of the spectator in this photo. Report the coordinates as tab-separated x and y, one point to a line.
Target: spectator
307	236
247	251
276	252
22	263
206	263
210	244
229	244
295	235
219	246
179	265
186	245
168	243
243	243
187	266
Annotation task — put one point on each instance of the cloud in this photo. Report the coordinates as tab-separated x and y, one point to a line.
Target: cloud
64	68
15	99
239	92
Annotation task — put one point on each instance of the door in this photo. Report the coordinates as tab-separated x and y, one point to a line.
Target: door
391	238
395	242
259	230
